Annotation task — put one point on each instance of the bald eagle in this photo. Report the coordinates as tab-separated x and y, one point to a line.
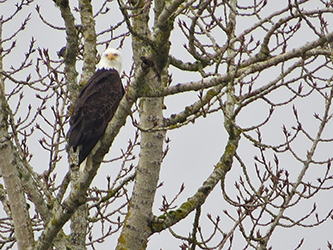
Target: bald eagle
96	104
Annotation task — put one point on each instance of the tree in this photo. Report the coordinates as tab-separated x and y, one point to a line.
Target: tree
265	67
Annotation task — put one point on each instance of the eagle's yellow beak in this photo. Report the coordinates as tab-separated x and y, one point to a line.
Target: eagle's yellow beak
111	56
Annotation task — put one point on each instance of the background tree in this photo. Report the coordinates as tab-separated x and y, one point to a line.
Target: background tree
262	66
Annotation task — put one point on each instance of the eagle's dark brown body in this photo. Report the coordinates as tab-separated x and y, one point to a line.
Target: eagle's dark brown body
93	109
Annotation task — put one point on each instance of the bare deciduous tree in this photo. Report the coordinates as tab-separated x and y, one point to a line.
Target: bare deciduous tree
266	67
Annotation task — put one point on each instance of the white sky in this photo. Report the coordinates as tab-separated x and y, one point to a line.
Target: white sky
195	149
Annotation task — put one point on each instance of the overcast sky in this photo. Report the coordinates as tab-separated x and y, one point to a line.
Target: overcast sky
195	148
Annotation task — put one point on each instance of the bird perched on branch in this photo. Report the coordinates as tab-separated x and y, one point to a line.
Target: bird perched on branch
96	104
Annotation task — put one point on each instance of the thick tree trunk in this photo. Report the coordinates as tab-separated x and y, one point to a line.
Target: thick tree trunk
137	226
17	202
10	174
136	229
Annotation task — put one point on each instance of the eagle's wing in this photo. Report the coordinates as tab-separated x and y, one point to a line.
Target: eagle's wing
93	109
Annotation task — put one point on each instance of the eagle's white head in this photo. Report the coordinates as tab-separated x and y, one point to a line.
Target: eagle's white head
110	59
